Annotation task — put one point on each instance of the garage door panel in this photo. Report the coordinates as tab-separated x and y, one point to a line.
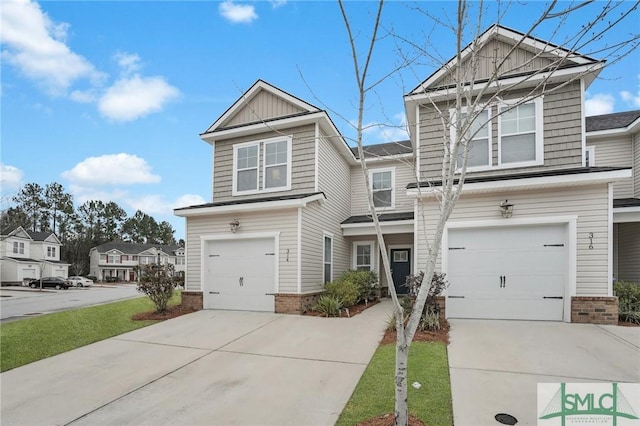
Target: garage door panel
517	272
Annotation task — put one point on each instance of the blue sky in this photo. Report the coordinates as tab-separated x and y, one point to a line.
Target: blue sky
108	98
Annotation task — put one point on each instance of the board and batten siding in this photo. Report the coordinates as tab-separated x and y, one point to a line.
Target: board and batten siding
404	175
519	61
616	152
302	163
562	133
263	106
628	249
333	180
589	203
283	221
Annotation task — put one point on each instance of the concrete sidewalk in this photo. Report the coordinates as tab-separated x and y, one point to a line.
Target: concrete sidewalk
206	368
496	365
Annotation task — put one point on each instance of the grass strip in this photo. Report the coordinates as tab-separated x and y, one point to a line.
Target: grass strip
29	340
374	394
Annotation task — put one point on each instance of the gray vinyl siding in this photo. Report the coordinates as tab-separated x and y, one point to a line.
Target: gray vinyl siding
520	61
302	163
636	165
263	106
628	250
283	221
562	133
616	152
333	180
589	203
404	174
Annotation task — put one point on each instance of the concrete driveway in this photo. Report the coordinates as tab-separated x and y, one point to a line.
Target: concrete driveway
206	368
496	365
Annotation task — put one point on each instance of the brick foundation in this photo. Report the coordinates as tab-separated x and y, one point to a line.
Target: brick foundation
287	303
594	310
192	300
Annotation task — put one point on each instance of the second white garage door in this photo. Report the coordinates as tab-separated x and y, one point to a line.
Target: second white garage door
507	272
239	274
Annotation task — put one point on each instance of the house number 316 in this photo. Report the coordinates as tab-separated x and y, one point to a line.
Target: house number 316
590	240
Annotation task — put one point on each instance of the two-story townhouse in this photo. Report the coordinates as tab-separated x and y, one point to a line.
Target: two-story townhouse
548	255
614	140
120	260
28	255
289	208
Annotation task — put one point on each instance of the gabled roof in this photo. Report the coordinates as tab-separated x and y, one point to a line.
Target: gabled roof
44	236
618	120
258	87
16	232
133	248
508	35
385	149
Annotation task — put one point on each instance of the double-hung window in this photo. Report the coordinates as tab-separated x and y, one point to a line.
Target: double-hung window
51	252
478	141
262	166
520	134
18	248
328	257
382	184
363	259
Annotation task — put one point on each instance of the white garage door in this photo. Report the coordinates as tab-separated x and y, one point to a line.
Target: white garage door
239	274
507	272
28	273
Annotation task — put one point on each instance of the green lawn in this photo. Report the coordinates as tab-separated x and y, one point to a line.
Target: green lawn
374	394
29	340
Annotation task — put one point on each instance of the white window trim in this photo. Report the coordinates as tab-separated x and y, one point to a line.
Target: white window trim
354	254
324	260
234	189
539	136
393	185
261	166
453	134
592	156
264	143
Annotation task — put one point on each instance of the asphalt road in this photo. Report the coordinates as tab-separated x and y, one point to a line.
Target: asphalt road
20	302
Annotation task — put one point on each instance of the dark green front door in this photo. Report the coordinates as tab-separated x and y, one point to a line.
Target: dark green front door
400	268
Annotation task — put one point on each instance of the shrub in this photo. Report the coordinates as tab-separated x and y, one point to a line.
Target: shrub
157	283
366	283
345	291
328	305
628	301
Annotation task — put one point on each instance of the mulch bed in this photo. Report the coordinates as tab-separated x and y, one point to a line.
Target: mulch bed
172	312
441	335
628	324
388	420
353	310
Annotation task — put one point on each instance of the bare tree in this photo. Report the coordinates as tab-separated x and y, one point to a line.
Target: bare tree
466	96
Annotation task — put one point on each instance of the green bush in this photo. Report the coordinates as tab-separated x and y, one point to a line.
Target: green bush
628	301
329	306
157	283
346	292
366	282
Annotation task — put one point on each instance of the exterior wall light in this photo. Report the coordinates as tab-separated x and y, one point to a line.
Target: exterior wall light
234	225
506	208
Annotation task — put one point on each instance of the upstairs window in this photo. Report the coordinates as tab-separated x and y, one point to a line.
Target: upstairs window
18	248
262	166
520	134
51	252
478	139
382	183
113	258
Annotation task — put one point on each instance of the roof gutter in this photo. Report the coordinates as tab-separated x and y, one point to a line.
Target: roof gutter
242	208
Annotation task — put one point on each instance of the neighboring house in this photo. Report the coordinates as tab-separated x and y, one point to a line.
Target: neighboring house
120	260
614	140
28	255
289	208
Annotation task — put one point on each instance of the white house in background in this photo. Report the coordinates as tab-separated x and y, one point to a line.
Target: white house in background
120	260
28	255
614	140
532	236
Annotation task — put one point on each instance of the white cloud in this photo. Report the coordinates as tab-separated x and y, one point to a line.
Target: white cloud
598	104
129	62
157	205
10	178
83	193
36	46
277	3
631	99
187	200
133	97
115	169
237	13
394	131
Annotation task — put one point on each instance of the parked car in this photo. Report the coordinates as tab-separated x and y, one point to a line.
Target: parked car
78	281
51	282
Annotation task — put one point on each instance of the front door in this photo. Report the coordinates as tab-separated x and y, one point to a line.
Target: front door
400	269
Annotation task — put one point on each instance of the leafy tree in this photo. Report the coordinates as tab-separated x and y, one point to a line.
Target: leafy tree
114	217
165	234
30	199
57	203
13	217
